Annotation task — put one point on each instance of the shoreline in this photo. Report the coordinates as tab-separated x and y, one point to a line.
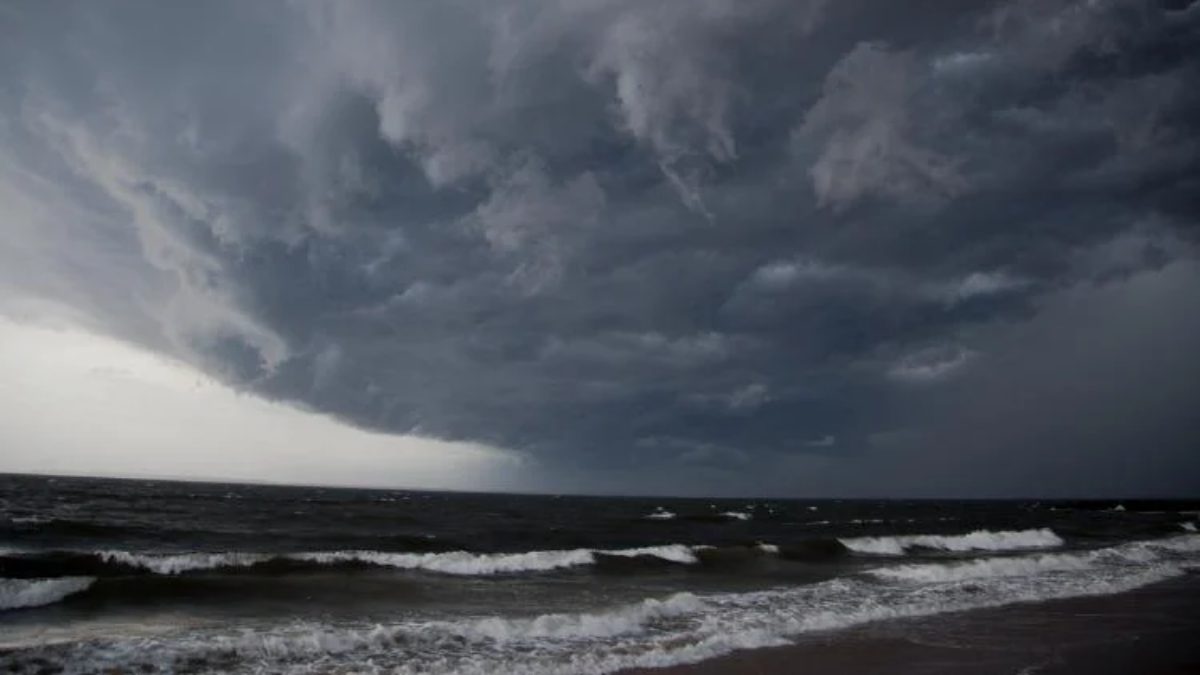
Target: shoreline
1153	630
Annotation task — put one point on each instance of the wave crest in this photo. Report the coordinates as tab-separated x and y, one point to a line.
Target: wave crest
176	563
19	593
462	563
979	540
1133	553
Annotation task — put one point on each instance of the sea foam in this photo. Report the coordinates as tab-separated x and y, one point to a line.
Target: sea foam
653	632
461	563
176	563
486	564
979	540
18	593
1139	552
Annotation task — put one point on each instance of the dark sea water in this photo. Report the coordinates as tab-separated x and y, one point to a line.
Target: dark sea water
149	576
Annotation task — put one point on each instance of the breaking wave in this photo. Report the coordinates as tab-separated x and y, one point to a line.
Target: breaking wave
654	632
985	568
461	563
979	540
19	593
1141	552
468	563
736	515
483	564
177	563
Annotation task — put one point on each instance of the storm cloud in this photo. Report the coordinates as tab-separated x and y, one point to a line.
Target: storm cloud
798	247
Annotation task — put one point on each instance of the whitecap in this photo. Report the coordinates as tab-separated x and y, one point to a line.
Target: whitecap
18	593
979	540
176	563
464	563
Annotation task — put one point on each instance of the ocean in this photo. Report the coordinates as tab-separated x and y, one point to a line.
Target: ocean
136	576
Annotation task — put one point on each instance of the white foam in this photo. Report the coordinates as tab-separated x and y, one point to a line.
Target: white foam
461	563
653	632
736	515
620	621
1184	543
17	593
176	563
1139	552
985	568
1188	526
660	514
979	540
768	548
486	564
677	553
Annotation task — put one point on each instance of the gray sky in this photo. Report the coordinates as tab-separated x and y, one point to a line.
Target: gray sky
725	246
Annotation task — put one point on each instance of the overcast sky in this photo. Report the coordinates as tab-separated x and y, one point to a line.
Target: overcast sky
787	247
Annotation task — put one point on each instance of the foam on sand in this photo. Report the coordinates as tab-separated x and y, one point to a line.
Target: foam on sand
18	593
979	540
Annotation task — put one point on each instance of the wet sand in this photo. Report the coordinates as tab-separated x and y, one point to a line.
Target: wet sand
1151	631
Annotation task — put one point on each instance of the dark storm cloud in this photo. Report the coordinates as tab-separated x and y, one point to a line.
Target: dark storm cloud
658	246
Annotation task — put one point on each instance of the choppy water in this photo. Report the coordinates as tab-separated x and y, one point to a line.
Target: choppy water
159	576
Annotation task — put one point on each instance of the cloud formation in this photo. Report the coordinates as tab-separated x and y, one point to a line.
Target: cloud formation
725	245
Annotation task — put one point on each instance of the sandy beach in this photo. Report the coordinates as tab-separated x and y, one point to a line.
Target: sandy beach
1151	631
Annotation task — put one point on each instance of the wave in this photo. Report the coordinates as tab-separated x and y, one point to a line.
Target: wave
458	563
461	563
486	564
979	540
660	514
1140	552
1188	526
718	517
985	568
654	632
20	593
177	563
